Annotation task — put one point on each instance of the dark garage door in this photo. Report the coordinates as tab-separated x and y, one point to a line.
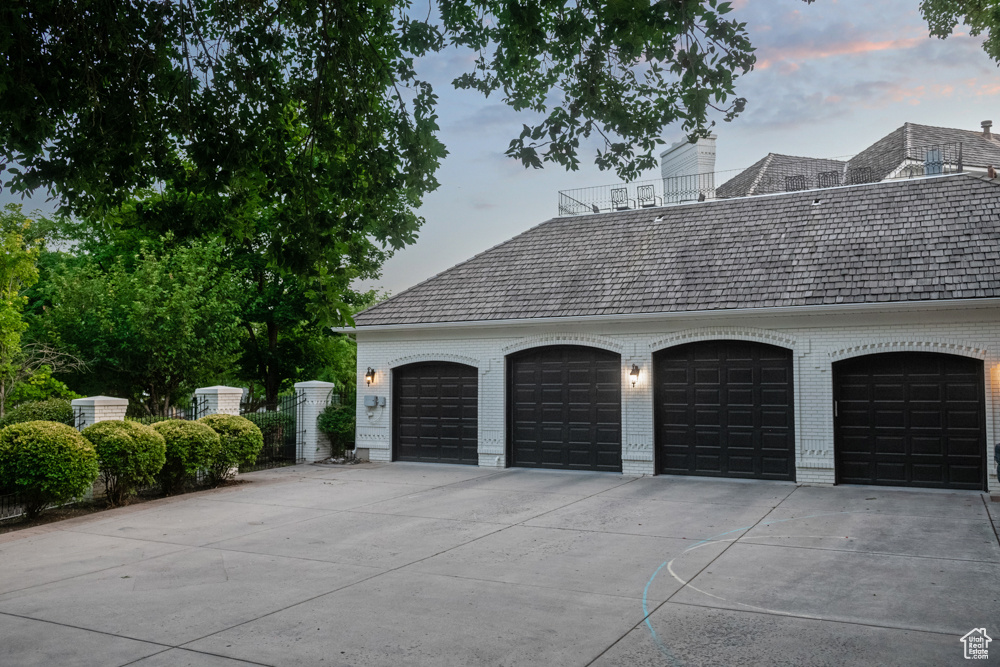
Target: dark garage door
435	413
910	419
724	409
565	408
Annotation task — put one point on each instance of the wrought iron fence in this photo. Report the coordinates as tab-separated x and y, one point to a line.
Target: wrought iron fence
781	174
11	505
283	427
189	409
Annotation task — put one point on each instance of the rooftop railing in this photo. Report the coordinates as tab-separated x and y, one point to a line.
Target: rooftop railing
783	174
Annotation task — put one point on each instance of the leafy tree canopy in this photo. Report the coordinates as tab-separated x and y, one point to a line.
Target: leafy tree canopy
980	16
315	111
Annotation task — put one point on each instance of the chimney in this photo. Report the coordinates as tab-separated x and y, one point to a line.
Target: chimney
987	124
688	170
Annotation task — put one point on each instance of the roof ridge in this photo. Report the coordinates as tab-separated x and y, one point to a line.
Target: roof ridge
760	173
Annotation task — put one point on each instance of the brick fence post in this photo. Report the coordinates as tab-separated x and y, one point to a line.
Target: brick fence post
219	400
95	409
312	397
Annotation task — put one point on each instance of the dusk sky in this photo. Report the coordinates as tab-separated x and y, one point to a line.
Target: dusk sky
831	78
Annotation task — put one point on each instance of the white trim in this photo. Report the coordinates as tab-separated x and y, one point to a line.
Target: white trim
887	344
587	340
822	309
724	333
433	356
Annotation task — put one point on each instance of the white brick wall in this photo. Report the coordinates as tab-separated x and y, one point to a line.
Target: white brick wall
817	339
220	400
94	409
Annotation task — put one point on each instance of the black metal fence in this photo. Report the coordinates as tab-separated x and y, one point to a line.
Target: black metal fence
189	409
283	426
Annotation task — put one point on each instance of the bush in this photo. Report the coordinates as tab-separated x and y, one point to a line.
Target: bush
129	455
337	421
241	442
190	447
51	410
46	463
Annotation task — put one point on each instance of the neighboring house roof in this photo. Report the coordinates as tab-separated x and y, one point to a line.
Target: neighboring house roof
910	142
908	240
780	173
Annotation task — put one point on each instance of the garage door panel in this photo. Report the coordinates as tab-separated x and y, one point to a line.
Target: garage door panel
925	421
571	418
732	403
775	376
435	413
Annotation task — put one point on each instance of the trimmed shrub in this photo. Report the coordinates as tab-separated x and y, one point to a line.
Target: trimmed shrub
51	410
46	462
129	455
241	442
337	421
190	447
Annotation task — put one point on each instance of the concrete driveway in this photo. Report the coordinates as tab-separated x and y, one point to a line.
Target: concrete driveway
410	564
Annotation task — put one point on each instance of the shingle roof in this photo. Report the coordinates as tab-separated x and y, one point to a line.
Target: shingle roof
910	141
777	173
910	240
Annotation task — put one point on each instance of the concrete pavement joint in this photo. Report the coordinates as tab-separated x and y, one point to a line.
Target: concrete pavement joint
388	571
646	613
851	551
766	612
989	515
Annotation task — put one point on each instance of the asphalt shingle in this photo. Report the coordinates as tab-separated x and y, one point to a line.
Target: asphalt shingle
934	238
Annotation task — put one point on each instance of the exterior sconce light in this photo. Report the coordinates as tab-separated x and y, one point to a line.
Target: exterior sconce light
370	375
634	373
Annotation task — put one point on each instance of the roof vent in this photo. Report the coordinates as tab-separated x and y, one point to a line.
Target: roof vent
987	124
817	202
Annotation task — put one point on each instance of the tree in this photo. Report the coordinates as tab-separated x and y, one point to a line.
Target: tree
18	255
314	110
152	325
981	16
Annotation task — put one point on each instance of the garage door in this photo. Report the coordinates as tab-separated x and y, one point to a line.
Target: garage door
724	409
565	408
435	413
910	419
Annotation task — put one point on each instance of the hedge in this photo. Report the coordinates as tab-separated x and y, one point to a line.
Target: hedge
46	462
190	447
241	442
337	421
51	410
130	455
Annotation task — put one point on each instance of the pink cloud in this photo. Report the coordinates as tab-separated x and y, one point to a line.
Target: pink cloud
815	52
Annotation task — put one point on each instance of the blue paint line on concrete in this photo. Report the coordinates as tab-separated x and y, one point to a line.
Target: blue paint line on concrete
645	592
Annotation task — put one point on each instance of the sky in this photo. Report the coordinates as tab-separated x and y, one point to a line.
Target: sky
831	78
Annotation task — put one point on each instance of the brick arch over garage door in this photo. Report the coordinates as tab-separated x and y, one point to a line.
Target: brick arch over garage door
910	419
435	413
565	408
724	408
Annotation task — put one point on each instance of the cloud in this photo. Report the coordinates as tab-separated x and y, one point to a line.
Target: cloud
797	54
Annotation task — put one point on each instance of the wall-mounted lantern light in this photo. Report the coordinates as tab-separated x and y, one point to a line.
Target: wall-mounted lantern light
370	375
634	373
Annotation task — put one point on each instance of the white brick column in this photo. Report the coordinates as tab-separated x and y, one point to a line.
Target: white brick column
312	397
95	409
219	400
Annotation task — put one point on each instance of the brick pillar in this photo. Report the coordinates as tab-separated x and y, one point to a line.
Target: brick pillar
219	400
312	397
95	409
